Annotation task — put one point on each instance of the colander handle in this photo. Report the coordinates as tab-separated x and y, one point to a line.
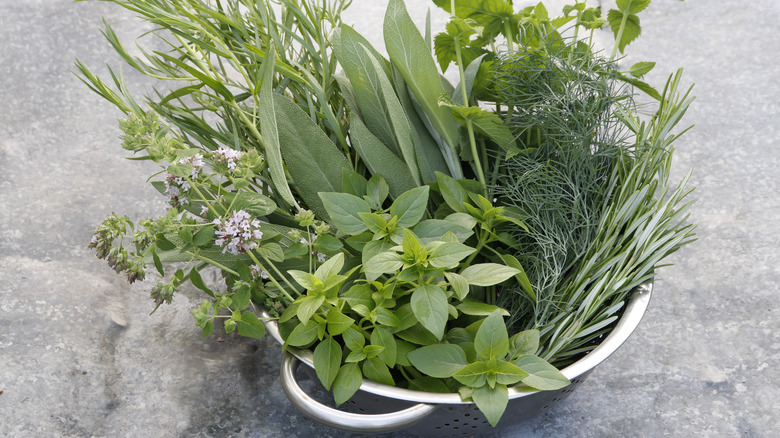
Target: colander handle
365	423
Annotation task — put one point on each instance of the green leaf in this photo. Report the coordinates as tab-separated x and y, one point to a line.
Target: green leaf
377	190
633	6
473	374
353	183
491	402
331	267
521	276
338	322
382	263
631	30
208	327
508	374
347	382
453	193
272	251
197	281
353	339
411	55
485	122
541	375
379	159
492	340
487	274
270	133
525	342
308	281
386	317
327	244
376	370
315	163
438	360
303	334
435	229
182	170
204	236
327	361
448	255
478	308
343	210
254	203
410	206
429	304
382	337
459	285
242	293
353	53
308	306
250	326
641	68
401	129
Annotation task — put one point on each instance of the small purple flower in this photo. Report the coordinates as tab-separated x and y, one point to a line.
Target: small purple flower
228	156
239	233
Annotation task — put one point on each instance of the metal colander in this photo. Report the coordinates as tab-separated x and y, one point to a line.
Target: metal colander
377	408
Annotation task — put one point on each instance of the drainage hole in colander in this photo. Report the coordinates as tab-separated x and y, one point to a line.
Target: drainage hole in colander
466	414
455	420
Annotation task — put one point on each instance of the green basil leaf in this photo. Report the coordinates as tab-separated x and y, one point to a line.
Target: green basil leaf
343	210
347	382
308	306
376	370
448	255
478	308
491	401
382	337
327	361
525	342
410	206
459	285
338	322
508	373
492	340
438	360
487	274
429	304
353	339
303	334
472	375
541	375
353	183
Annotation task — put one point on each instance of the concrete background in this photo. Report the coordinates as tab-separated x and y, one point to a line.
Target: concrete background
79	355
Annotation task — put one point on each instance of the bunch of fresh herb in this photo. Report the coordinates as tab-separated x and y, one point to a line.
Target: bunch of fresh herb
383	215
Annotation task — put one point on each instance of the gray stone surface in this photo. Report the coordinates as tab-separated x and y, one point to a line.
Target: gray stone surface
79	355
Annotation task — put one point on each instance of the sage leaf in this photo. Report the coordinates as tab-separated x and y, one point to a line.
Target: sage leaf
269	129
438	360
379	159
327	361
409	53
315	163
